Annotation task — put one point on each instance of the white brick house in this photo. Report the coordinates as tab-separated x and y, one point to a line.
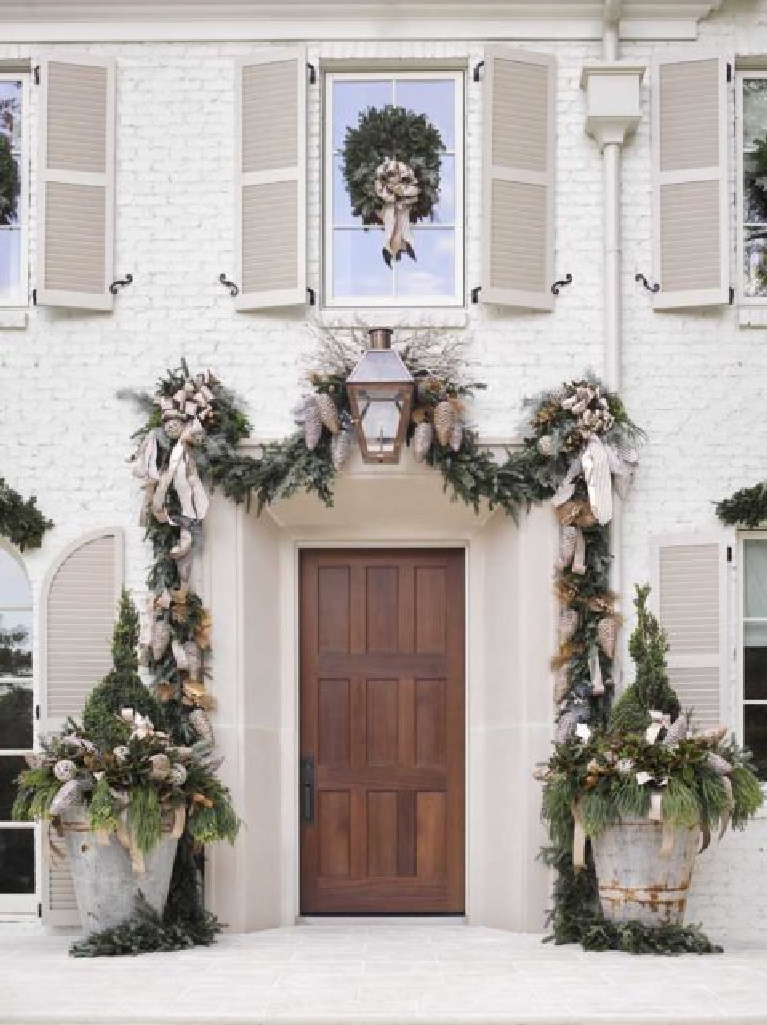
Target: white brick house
169	86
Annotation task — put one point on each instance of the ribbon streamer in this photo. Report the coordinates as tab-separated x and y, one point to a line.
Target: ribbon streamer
595	672
579	838
396	186
596	470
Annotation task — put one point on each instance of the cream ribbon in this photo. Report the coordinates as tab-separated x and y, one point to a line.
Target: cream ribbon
579	838
595	672
397	187
599	463
596	470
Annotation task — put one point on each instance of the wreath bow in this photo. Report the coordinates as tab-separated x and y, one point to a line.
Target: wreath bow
396	185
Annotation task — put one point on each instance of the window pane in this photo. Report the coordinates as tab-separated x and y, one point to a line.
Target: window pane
14	586
350	98
755	578
433	271
358	266
16	715
10	767
755	661
444	212
10	112
755	736
17	861
342	207
754	191
435	99
754	110
10	248
16	645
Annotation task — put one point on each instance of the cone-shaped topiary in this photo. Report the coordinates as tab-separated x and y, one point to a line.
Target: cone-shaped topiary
121	687
651	688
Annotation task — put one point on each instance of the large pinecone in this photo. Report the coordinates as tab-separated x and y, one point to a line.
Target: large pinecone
422	437
328	412
444	417
312	425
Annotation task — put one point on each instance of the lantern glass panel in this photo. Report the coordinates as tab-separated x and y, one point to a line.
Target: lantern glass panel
380	411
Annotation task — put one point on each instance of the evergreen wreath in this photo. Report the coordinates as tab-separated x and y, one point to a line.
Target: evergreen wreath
391	133
20	519
745	508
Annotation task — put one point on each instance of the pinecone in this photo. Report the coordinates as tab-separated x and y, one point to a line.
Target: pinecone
567	546
456	436
444	418
720	765
677	731
160	767
66	797
339	449
566	726
202	725
561	685
568	624
160	639
328	412
312	425
607	632
194	662
422	437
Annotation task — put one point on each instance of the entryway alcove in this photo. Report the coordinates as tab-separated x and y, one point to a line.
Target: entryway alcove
252	584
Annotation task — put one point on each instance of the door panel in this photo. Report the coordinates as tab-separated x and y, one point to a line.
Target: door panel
382	715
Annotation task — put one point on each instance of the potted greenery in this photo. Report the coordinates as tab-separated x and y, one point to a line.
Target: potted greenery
644	789
122	792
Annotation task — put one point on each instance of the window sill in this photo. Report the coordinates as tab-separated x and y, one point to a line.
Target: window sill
12	319
399	317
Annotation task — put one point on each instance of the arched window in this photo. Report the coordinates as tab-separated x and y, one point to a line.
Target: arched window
17	840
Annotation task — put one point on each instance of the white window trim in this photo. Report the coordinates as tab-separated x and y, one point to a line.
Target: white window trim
21	300
458	299
16	906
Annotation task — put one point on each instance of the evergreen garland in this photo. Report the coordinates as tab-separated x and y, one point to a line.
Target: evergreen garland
20	519
746	508
391	133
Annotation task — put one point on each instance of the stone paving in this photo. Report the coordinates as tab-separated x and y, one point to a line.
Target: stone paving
367	974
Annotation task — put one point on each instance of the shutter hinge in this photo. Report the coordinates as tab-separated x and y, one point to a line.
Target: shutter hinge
475	294
312	296
233	288
39	910
729	553
312	73
477	67
729	71
566	280
36	74
732	295
34	297
37	711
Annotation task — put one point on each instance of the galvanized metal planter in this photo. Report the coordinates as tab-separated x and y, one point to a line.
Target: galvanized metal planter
106	884
640	879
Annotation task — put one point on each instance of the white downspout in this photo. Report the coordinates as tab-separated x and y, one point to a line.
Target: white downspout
611	179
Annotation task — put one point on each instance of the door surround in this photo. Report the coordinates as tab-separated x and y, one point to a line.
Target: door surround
251	578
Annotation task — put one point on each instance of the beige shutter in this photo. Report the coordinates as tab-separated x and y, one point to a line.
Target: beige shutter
518	179
75	250
690	595
270	185
690	182
78	614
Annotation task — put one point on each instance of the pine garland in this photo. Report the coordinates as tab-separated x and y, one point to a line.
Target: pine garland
746	508
20	519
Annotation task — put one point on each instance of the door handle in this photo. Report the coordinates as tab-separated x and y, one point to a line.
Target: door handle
307	789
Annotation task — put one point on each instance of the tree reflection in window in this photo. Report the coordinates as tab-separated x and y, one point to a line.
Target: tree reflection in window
16	694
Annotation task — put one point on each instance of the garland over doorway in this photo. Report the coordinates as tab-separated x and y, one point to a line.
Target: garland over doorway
579	442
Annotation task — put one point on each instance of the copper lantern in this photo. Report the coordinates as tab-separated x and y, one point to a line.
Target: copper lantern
380	390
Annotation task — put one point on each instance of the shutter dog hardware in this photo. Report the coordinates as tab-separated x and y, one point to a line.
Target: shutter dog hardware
559	285
654	287
121	283
233	289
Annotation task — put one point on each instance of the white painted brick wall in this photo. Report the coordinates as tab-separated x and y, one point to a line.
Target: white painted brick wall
694	381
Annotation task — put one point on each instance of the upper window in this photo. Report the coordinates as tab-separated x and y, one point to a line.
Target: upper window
357	270
13	191
755	650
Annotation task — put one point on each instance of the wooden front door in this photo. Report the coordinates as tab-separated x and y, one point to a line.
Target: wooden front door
382	731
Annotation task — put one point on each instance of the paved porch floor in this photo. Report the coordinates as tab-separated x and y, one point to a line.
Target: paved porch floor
369	974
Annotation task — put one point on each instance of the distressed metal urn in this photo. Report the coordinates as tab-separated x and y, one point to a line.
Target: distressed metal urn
105	880
640	877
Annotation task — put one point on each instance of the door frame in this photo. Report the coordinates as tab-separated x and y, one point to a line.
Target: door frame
298	546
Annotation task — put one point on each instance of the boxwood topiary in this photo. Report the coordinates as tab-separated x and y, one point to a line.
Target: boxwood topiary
121	687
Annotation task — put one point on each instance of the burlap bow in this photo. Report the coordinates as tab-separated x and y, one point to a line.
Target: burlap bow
396	186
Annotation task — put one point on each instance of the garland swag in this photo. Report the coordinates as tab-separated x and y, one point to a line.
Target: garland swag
746	508
20	519
579	440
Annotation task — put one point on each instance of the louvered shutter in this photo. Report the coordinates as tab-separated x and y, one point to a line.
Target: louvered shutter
75	250
79	605
271	180
690	595
518	179
690	182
